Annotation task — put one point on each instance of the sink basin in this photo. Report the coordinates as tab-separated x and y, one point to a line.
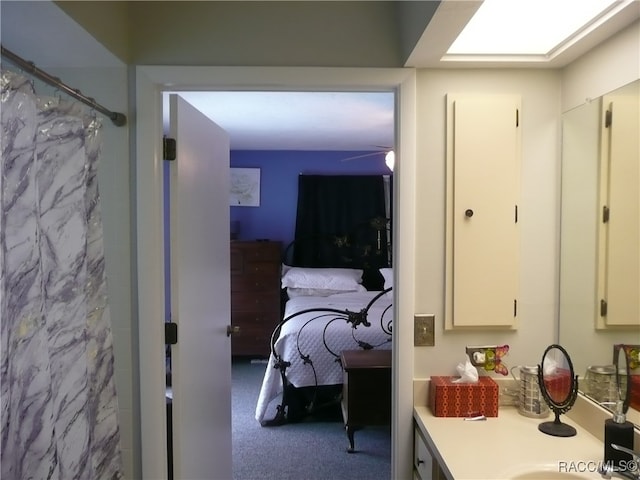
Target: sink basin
552	472
547	475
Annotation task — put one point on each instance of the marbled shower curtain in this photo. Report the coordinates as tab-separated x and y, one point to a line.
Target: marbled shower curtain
57	392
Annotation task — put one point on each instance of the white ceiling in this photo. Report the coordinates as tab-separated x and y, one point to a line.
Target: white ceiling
283	120
360	121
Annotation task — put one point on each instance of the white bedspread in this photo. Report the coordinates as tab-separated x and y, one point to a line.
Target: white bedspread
339	337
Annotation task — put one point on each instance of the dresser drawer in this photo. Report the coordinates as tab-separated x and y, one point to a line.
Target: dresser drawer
254	337
255	283
255	302
243	253
243	267
263	252
254	321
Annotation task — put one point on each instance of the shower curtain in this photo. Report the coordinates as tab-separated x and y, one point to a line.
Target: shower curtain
57	393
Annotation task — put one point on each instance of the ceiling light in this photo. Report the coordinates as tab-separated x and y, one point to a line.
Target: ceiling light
390	160
526	27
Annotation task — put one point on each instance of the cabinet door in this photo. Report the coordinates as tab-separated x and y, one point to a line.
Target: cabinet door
619	226
422	460
483	183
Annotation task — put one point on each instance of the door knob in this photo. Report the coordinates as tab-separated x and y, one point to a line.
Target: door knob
232	330
468	213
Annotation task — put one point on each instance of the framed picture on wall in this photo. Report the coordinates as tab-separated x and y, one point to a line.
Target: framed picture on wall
245	187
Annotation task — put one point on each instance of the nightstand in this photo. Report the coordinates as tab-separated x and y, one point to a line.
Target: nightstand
366	390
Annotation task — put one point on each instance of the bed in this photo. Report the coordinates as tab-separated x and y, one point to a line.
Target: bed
343	301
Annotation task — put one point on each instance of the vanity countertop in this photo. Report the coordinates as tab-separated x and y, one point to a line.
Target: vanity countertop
505	446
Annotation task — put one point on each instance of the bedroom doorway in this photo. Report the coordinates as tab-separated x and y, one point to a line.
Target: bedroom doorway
333	161
149	80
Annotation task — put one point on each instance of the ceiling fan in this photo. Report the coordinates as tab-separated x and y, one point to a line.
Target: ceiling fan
389	156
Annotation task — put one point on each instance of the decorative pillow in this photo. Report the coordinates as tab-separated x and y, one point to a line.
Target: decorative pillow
318	292
387	274
322	278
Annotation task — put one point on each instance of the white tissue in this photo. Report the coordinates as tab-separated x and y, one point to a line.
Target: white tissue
468	373
549	366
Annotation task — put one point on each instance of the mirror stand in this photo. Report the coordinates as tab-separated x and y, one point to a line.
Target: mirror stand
559	388
557	428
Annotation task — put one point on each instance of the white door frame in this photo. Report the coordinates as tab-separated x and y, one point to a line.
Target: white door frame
151	81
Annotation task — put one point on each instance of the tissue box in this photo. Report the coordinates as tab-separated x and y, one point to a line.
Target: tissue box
448	399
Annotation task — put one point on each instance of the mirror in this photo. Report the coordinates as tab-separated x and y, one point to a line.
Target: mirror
626	359
583	284
621	365
559	387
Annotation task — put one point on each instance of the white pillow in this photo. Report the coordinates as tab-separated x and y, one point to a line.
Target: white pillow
318	292
387	274
323	278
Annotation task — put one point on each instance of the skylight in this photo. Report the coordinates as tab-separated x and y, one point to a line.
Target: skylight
526	27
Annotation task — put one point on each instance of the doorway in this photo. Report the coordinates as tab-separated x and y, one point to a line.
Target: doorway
280	135
150	81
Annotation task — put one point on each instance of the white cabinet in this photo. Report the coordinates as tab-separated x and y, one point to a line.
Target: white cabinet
483	191
424	465
619	211
422	461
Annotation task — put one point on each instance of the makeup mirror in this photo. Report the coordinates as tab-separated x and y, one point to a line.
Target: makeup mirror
559	388
626	360
621	364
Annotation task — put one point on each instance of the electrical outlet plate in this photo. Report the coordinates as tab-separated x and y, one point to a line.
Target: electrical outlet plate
424	334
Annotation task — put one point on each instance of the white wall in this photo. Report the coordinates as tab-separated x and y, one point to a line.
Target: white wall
610	65
538	209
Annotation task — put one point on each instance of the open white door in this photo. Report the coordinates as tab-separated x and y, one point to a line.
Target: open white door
200	296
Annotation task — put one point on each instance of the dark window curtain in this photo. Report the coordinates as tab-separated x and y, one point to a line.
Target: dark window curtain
340	222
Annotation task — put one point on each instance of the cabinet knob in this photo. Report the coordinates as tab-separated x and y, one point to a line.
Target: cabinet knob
468	213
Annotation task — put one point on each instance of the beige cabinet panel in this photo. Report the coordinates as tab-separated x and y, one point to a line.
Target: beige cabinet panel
619	226
483	189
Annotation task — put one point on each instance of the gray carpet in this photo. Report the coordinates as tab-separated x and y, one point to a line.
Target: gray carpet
310	450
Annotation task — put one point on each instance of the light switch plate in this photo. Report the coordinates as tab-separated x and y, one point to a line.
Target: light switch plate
424	334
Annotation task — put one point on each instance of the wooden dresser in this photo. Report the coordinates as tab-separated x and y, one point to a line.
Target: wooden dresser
255	295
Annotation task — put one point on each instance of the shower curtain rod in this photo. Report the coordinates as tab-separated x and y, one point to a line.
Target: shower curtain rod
118	119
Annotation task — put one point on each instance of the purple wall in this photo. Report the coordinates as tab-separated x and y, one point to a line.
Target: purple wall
275	218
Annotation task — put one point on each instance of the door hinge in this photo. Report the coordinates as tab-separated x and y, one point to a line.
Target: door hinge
170	333
605	214
168	148
603	308
608	118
